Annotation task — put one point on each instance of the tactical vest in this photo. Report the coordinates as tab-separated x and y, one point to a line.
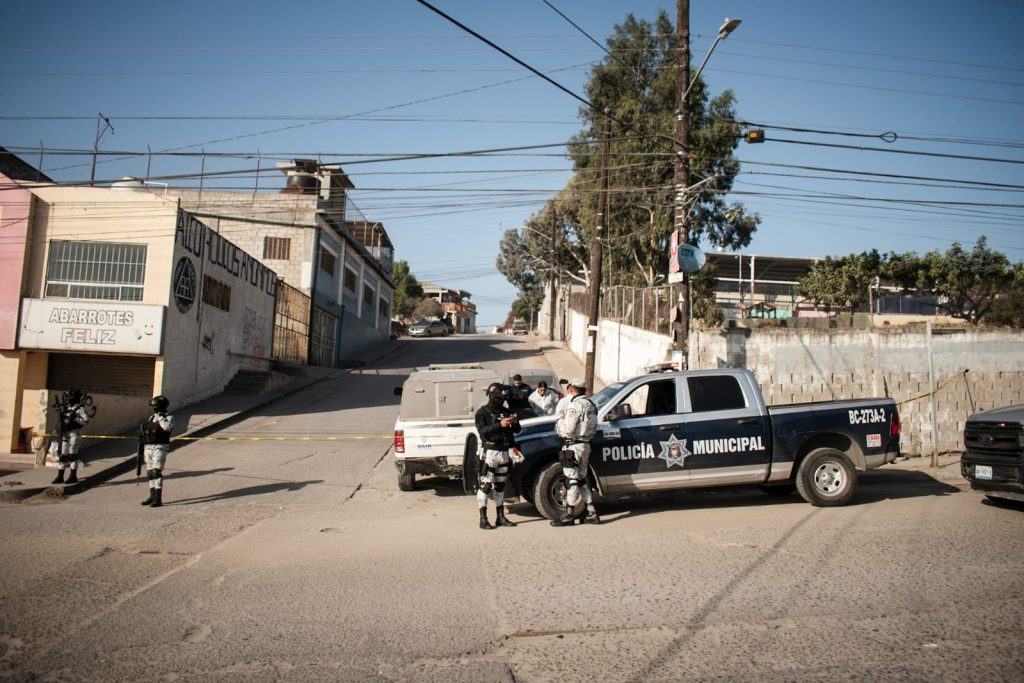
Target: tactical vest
153	433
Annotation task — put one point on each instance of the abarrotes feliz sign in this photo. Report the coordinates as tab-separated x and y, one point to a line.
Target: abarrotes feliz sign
59	325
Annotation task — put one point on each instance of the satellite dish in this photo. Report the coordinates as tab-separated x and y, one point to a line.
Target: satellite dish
691	259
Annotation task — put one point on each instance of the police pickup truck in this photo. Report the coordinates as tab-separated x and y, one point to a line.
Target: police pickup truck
993	459
710	428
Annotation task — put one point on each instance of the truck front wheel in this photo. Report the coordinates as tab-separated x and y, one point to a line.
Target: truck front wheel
549	493
826	478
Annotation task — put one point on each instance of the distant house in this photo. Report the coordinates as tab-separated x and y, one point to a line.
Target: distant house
456	306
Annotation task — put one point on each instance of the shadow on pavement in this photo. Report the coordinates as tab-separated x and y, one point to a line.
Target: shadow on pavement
170	474
246	491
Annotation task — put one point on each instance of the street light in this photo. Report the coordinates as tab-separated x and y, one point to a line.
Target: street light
682	172
727	27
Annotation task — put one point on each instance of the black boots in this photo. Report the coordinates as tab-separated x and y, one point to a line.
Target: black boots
149	501
59	479
155	499
565	520
484	524
502	520
591	518
72	476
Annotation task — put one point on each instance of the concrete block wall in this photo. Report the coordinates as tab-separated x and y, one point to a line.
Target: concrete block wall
974	370
794	366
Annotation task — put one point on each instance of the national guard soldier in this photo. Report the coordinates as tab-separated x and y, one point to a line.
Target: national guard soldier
497	426
155	434
577	426
73	416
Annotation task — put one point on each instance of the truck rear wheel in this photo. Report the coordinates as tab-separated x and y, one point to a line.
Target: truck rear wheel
406	481
549	493
826	478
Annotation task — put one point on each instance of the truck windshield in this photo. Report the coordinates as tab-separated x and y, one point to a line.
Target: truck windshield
605	395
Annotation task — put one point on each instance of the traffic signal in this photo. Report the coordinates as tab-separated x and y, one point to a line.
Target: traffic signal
756	135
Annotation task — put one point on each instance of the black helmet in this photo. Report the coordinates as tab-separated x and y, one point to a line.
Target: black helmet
159	402
498	391
72	396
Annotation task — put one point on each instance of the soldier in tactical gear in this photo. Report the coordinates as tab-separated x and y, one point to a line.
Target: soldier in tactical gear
156	437
497	426
72	416
577	426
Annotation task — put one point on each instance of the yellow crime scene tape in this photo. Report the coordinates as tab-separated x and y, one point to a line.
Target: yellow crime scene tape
315	437
943	385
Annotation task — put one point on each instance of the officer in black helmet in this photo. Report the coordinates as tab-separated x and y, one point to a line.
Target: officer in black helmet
497	426
73	416
156	437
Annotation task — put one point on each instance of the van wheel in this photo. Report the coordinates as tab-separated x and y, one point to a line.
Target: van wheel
470	466
826	478
406	482
549	493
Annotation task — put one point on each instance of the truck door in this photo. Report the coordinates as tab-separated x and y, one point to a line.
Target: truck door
727	432
644	450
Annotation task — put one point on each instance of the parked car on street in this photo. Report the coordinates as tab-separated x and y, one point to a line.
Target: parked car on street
428	328
708	428
398	329
993	459
519	327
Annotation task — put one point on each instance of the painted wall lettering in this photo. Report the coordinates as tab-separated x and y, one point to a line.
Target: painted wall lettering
202	242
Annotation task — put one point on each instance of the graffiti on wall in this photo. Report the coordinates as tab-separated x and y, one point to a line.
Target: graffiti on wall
254	334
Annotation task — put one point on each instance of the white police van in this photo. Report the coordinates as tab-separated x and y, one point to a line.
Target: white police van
436	415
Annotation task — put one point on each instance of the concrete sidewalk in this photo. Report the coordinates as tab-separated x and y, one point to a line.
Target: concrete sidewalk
109	458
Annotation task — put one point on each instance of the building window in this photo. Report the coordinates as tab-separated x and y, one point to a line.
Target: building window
328	261
277	248
350	280
216	293
368	295
383	307
96	270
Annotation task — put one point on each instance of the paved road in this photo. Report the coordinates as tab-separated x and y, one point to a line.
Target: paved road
301	561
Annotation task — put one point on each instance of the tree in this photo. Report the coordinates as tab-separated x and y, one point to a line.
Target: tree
408	291
428	309
841	283
637	84
1008	308
968	283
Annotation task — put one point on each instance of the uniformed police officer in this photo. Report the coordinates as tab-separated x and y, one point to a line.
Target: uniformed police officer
577	426
156	437
497	426
73	416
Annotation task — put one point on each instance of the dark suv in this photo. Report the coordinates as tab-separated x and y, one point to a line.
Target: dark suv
993	459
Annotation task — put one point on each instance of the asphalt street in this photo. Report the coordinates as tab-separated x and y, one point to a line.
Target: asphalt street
286	560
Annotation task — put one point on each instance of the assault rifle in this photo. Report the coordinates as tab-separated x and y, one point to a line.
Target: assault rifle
139	457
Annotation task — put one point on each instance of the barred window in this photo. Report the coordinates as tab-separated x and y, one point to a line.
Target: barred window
95	270
368	295
350	280
216	293
383	307
327	261
277	248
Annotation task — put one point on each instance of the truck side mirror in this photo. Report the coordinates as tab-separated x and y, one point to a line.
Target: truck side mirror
563	382
398	391
619	412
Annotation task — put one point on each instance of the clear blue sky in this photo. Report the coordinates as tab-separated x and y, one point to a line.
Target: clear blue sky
350	81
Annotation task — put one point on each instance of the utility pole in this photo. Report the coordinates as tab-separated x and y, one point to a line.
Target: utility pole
682	173
96	143
551	280
595	257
